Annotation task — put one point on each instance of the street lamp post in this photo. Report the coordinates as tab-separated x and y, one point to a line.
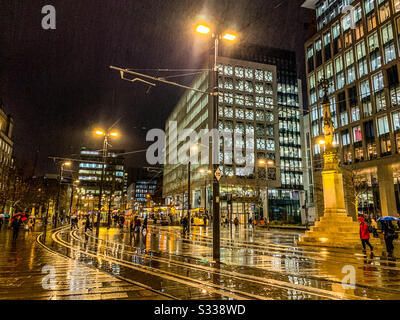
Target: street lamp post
66	163
266	204
72	196
189	204
106	135
216	207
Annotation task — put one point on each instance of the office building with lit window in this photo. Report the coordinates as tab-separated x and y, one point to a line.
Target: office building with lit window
358	53
259	99
114	179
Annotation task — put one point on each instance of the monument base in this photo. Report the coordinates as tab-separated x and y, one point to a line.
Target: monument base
337	230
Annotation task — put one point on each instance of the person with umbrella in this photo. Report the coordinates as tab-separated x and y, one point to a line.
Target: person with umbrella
389	233
16	222
1	220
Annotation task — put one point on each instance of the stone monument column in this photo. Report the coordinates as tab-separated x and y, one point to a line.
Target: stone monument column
335	228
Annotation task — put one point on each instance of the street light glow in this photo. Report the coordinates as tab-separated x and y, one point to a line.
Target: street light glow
321	142
270	162
262	162
203	29
67	163
99	133
229	36
114	134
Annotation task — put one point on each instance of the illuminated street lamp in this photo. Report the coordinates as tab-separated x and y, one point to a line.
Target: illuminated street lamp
205	29
106	135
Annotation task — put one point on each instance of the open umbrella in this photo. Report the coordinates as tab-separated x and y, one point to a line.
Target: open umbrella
2	215
24	216
388	219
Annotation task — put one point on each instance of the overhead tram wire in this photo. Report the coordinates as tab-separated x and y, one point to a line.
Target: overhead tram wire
257	104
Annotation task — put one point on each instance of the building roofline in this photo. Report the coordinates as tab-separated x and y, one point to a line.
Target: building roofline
310	4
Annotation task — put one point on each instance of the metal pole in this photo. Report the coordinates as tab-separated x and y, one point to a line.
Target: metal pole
58	198
105	145
189	206
110	202
72	199
216	213
267	199
205	194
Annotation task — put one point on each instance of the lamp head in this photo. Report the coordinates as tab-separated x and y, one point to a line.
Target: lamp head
203	29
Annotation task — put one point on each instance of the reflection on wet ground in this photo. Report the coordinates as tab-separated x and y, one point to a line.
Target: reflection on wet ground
30	271
255	264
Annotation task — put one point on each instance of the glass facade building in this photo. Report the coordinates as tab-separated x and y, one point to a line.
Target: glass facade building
90	171
358	53
259	101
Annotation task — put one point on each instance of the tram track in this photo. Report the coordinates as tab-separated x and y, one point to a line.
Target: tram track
317	292
300	256
281	249
208	287
38	240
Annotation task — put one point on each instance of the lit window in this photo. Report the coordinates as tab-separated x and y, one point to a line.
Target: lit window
249	114
357	135
228	70
249	74
268	76
259	75
239	72
383	125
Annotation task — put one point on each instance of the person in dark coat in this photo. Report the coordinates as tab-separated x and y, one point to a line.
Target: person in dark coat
133	224
236	222
15	226
144	224
1	223
88	225
389	234
185	224
364	235
138	224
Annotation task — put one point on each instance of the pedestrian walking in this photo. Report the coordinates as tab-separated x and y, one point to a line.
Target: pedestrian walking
15	226
185	224
30	225
121	222
138	224
1	223
374	226
365	235
389	234
236	222
88	224
74	222
132	224
144	224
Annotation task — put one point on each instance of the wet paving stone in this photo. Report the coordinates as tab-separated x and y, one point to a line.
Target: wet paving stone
255	264
21	275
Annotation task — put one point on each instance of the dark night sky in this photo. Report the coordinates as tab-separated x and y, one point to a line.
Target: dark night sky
57	84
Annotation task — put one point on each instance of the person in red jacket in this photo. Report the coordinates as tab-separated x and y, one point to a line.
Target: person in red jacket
364	235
